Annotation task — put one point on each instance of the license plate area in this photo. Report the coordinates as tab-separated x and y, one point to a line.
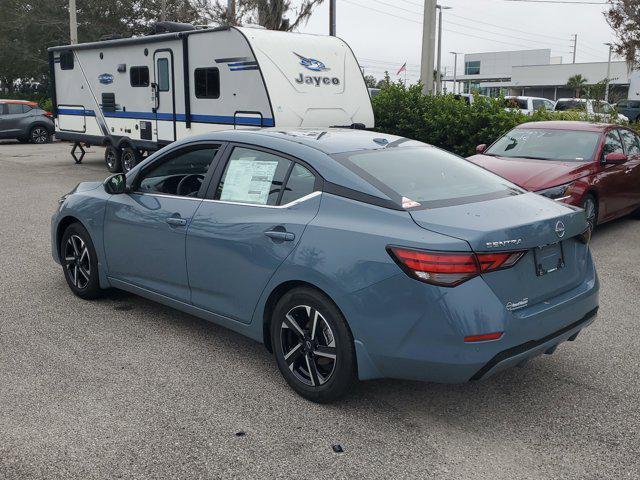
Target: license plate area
548	258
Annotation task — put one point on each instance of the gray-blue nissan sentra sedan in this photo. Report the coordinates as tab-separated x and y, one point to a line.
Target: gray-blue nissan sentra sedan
350	254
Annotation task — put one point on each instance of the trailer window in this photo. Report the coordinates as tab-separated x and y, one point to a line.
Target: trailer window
163	74
66	60
207	82
139	76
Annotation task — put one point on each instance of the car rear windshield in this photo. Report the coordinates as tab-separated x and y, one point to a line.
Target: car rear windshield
546	144
571	105
426	177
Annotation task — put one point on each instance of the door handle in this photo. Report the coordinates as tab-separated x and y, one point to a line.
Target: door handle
280	235
176	221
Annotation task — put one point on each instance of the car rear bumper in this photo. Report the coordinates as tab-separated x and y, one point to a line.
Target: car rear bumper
416	331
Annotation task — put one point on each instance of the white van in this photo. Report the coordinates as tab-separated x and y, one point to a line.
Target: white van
528	105
136	95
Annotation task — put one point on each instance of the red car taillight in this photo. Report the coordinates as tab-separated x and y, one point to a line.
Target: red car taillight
449	269
48	114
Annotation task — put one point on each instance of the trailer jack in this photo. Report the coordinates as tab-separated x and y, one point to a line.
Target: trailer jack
78	159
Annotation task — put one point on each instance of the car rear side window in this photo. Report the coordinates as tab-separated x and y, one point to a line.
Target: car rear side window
426	175
14	108
301	182
571	105
253	177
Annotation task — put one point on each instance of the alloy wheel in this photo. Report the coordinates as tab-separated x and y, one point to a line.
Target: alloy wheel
39	135
111	158
77	261
128	160
308	345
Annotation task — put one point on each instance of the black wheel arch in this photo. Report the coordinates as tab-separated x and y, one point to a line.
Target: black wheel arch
62	226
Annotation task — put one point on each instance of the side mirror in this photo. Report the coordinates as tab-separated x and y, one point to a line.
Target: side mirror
481	148
615	158
116	184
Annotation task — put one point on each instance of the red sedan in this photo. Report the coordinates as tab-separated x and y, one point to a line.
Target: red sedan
595	166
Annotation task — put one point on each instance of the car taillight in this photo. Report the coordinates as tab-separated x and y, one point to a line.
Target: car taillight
449	269
48	114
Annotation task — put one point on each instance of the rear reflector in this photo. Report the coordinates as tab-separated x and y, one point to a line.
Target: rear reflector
483	338
450	268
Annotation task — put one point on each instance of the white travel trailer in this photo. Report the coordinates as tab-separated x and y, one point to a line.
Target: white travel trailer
135	95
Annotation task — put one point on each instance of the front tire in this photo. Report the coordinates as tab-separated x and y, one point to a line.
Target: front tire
590	205
39	135
80	262
313	345
112	159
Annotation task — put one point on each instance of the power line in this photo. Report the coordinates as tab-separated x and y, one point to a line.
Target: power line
566	2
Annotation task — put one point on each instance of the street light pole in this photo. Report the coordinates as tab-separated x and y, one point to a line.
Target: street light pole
455	71
428	46
606	90
73	23
439	61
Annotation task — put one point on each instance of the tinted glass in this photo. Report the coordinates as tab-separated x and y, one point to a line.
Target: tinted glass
163	74
520	103
301	183
630	142
139	76
207	82
571	105
66	60
426	175
623	104
543	144
166	177
612	144
26	108
253	177
602	107
14	108
634	105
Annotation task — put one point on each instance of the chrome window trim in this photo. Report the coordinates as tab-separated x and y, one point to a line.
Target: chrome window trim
165	195
287	205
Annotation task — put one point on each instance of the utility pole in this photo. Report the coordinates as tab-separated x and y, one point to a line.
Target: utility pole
575	46
163	10
606	90
73	22
332	18
428	46
439	61
455	71
231	12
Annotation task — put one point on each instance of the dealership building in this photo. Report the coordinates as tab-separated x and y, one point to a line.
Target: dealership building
534	73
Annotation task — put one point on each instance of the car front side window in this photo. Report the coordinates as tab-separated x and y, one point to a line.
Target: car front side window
612	144
182	174
253	177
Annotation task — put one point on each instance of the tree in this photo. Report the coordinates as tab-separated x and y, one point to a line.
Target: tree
385	82
370	81
577	82
271	14
624	17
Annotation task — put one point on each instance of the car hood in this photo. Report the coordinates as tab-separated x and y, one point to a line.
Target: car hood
86	186
531	174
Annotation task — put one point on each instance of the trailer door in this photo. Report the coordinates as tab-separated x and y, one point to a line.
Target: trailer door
165	98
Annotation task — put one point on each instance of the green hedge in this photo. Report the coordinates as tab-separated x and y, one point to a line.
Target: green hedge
448	122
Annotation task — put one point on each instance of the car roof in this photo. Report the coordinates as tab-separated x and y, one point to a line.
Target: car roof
569	125
327	140
525	97
22	102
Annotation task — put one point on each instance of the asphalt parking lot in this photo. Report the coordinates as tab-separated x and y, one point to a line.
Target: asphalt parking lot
125	388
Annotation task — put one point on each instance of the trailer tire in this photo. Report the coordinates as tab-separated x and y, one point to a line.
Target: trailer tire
112	157
130	158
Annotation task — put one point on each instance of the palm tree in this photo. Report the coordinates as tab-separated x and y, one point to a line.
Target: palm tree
577	82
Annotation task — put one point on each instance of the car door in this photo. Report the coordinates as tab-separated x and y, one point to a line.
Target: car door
631	143
164	89
246	228
612	179
145	230
12	120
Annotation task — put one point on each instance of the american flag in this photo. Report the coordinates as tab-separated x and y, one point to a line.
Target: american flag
403	68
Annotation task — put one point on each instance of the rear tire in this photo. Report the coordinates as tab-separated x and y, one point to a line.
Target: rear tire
39	135
112	159
590	205
80	262
319	362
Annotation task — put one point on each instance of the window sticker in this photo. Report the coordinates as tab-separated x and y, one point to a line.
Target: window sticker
249	180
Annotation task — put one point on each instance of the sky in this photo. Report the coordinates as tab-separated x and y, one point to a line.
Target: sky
386	33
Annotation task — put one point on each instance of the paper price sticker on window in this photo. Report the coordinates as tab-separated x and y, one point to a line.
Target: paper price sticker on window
248	180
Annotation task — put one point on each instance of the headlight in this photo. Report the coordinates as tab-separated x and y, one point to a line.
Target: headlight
561	192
